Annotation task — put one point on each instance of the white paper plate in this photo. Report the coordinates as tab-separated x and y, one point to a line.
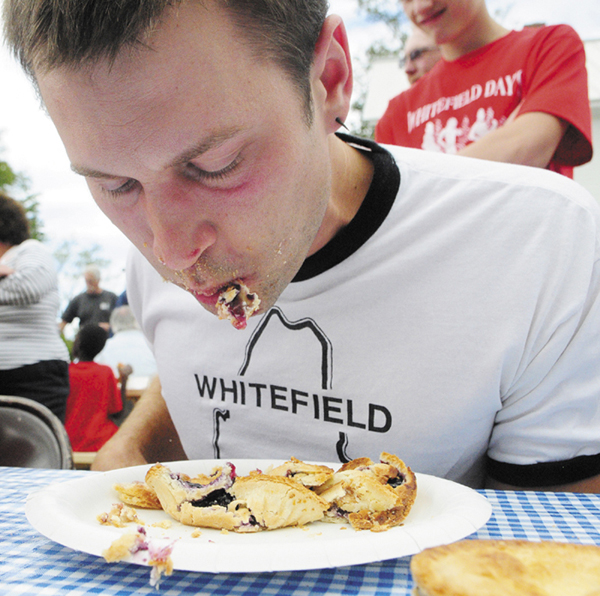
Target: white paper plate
66	513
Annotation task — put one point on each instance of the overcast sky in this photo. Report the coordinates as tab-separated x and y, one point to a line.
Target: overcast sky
31	145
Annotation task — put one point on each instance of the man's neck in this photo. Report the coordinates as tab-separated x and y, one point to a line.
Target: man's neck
485	32
352	173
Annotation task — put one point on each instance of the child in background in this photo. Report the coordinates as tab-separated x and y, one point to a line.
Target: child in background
94	394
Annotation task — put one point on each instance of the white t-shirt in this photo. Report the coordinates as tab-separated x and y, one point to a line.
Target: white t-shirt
465	325
128	346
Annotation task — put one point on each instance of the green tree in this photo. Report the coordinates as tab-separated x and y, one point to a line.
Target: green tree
17	185
390	13
7	176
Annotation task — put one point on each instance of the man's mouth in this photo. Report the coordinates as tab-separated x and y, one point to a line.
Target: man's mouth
431	18
206	299
233	302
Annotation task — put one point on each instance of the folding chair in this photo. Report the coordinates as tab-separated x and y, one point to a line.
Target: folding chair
31	436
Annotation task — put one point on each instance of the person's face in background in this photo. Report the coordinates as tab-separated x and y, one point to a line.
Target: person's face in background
92	283
420	55
453	25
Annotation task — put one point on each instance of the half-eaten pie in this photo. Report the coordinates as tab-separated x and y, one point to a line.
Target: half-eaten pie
368	495
242	504
371	496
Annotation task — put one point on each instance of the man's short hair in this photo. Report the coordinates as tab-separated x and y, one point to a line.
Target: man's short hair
46	34
92	270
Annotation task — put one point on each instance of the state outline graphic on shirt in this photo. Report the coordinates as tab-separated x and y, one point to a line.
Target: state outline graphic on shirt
308	339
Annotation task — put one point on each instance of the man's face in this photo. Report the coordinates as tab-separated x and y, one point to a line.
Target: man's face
420	56
445	21
91	283
200	154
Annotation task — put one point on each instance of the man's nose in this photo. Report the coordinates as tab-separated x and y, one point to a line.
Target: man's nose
180	233
421	9
419	5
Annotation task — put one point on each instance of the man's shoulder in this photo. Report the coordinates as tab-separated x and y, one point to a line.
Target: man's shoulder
108	294
79	297
90	369
550	30
545	36
473	172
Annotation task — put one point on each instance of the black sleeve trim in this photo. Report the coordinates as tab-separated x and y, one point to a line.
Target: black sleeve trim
545	473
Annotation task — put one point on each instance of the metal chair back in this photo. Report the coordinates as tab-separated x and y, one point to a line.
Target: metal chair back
31	436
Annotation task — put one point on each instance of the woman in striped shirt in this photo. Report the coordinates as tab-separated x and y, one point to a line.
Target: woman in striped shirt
34	360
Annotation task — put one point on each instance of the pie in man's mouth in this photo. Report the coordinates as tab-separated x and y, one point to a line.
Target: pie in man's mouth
368	495
237	304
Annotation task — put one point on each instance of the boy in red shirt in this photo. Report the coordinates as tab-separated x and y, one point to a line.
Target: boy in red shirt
94	394
514	96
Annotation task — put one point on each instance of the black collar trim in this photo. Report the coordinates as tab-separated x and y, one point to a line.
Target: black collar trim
372	213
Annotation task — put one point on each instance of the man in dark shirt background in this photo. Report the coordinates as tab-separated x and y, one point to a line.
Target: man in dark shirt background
92	306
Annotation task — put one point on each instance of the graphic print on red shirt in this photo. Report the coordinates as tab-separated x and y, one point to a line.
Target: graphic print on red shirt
535	70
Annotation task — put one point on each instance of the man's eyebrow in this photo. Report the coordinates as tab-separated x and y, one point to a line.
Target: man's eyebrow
203	146
90	173
184	157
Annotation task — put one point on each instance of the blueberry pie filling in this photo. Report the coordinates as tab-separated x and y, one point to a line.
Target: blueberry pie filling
197	489
226	501
397	481
219	497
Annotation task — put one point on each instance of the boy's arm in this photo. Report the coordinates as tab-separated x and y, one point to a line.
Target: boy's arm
147	435
530	139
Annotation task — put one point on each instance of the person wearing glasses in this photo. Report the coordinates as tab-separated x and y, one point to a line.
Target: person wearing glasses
420	55
517	96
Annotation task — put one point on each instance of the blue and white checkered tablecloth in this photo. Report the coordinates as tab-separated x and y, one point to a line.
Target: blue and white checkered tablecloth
30	564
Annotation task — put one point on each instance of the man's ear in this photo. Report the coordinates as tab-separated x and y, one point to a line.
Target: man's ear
332	73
